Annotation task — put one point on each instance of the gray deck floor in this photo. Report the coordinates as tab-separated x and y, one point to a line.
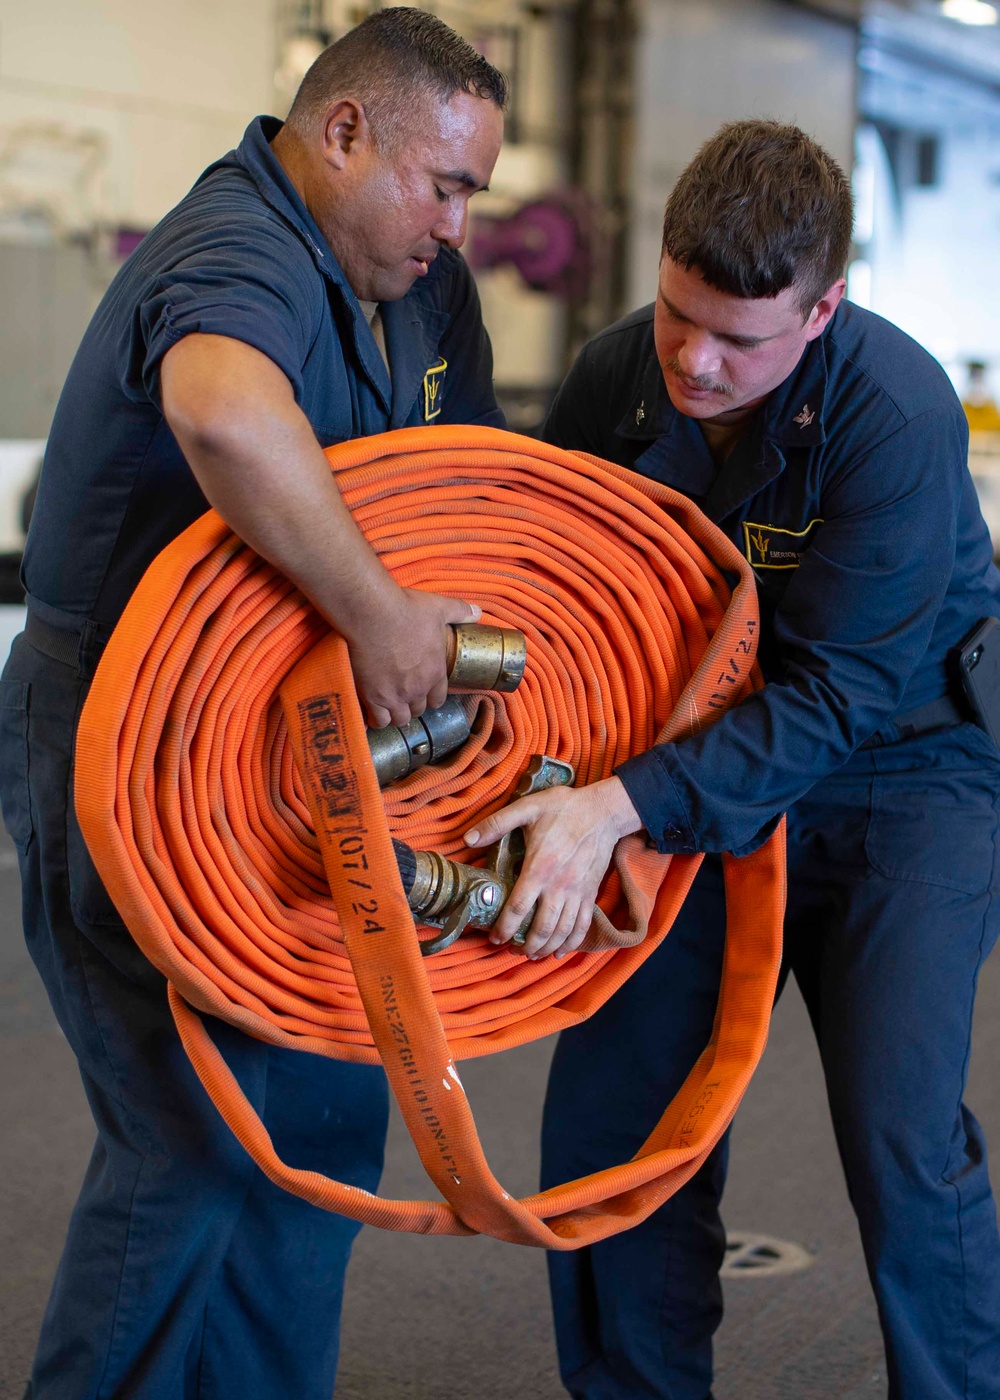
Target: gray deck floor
457	1319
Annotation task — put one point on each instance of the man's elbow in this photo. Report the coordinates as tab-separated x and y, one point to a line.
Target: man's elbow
205	431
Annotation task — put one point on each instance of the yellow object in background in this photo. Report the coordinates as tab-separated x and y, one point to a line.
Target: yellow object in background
983	417
980	408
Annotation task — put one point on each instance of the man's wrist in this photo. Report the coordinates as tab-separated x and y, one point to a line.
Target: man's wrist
371	606
622	815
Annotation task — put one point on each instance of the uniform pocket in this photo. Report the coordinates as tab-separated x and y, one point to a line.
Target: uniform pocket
89	900
15	799
934	821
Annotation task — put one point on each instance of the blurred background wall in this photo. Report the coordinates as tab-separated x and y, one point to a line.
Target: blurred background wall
109	109
700	63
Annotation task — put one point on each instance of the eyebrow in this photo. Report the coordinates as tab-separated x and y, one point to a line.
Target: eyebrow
722	335
464	177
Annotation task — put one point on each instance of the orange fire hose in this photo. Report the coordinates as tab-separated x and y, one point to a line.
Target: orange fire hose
226	793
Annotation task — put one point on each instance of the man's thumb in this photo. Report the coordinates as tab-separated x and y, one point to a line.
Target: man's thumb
489	829
478	834
493	827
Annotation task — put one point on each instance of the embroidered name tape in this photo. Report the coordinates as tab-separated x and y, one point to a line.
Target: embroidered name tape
772	547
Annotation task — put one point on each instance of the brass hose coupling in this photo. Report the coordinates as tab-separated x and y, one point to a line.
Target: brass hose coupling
455	897
485	658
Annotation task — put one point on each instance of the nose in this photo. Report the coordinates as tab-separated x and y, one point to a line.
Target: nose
699	356
450	228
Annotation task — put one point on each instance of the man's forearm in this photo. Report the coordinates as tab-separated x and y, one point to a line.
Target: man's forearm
257	460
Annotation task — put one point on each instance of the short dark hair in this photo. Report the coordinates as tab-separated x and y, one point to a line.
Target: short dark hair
761	207
385	61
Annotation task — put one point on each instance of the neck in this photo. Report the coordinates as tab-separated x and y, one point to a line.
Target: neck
289	151
721	437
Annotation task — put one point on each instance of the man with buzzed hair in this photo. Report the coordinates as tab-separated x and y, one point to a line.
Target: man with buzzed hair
308	290
832	450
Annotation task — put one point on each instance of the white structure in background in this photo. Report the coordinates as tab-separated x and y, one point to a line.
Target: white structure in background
166	98
927	181
49	180
142	107
704	62
19	463
530	44
107	117
928	154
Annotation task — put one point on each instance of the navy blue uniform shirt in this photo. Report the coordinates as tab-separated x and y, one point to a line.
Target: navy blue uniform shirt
239	256
850	495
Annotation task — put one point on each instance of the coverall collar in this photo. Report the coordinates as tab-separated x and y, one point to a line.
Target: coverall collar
791	417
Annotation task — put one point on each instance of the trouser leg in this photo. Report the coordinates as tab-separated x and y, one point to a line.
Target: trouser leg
887	952
172	1224
159	1202
271	1324
635	1314
185	1270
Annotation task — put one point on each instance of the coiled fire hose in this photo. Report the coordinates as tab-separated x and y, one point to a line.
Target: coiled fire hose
226	793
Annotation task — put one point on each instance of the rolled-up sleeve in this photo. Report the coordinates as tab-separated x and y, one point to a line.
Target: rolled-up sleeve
256	288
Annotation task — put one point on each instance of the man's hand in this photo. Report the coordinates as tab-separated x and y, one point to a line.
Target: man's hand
570	835
399	659
257	460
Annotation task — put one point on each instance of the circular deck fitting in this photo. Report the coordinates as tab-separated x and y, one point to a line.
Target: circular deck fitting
760	1256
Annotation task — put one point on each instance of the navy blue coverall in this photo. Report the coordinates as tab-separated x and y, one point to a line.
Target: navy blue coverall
185	1272
850	496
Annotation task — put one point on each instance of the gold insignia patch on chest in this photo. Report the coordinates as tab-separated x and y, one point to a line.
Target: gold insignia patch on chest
773	547
433	380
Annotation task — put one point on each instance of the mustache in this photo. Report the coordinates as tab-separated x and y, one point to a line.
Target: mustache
717	386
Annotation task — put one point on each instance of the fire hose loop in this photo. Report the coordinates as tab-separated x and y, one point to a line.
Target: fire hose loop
226	793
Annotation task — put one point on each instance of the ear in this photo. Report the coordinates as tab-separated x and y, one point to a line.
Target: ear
345	131
819	316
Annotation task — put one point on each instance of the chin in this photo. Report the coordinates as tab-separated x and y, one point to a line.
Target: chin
394	286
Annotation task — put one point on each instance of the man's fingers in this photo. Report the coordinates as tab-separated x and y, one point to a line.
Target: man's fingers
543	927
522	900
541	944
378	717
584	920
571	945
580	930
438	696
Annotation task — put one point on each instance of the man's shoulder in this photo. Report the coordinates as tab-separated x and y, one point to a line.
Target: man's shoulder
223	228
619	354
631	331
869	357
227	202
